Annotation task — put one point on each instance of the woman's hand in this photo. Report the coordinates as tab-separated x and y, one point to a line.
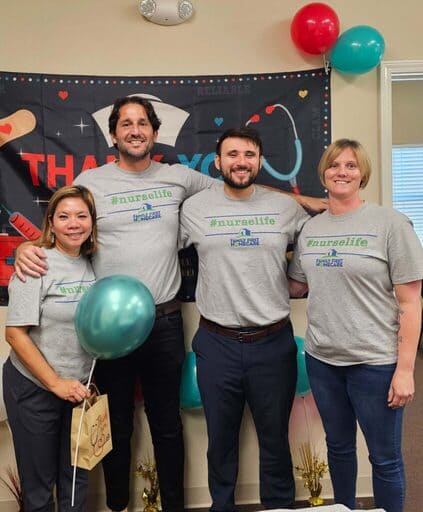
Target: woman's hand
70	390
401	390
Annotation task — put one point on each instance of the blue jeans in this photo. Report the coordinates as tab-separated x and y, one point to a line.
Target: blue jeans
345	395
158	364
262	374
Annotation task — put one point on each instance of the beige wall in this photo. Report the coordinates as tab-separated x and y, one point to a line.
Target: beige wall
407	112
109	37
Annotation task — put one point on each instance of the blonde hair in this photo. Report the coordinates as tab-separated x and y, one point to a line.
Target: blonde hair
336	148
46	238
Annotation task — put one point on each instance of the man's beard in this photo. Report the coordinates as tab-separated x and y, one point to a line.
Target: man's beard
135	155
238	185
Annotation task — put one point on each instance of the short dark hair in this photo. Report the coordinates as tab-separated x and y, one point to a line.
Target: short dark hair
147	105
240	133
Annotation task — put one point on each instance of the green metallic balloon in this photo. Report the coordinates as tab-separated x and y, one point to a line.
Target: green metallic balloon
114	317
357	50
190	394
303	385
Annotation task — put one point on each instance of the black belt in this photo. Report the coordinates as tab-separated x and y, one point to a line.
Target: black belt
166	308
244	334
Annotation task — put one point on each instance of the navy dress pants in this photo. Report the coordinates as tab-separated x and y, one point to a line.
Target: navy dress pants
262	374
41	423
158	365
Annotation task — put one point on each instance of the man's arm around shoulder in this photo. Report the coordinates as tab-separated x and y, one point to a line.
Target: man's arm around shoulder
30	260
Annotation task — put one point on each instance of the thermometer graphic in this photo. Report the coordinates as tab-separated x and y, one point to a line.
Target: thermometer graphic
22	225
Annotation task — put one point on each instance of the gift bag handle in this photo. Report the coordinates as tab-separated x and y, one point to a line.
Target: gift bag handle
86	401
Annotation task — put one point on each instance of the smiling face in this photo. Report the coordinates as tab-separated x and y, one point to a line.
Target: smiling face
134	136
239	162
71	225
343	177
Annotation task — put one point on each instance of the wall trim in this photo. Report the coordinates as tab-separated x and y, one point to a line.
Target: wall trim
391	71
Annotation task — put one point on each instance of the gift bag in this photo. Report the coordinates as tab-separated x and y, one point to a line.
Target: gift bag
95	439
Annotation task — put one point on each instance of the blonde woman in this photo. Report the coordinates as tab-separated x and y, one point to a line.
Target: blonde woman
362	265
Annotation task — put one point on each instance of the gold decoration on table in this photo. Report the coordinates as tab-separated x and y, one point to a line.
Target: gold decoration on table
150	496
312	470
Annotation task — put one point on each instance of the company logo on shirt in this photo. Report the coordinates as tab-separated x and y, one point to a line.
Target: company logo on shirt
146	212
244	238
144	205
331	259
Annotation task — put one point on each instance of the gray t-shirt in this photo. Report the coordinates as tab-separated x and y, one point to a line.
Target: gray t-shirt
351	263
241	246
138	221
48	305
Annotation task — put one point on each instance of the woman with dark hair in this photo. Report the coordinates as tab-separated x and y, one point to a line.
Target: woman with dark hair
362	264
45	374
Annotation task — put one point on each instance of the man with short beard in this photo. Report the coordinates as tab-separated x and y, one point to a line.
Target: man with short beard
245	347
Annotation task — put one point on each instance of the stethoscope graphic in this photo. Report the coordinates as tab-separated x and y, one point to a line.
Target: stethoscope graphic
290	176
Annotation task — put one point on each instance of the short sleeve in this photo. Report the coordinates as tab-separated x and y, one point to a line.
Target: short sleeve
405	252
24	301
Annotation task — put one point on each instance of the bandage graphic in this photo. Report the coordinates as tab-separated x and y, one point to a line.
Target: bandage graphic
16	125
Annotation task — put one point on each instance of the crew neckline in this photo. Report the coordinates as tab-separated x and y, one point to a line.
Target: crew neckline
348	214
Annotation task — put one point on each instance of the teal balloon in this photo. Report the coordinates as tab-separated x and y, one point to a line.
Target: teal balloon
303	385
357	50
190	394
114	317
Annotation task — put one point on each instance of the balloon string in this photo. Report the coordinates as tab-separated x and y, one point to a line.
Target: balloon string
326	64
90	376
307	422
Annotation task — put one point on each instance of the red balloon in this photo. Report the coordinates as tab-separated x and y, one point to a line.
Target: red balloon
315	28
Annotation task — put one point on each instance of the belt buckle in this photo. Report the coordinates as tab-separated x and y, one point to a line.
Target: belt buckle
245	337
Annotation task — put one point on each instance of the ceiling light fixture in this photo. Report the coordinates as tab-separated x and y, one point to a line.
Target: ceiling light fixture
166	12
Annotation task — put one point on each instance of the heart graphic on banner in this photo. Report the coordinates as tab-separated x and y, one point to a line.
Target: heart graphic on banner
302	94
6	128
218	121
63	95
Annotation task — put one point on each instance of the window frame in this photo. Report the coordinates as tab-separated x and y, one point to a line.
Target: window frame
391	71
